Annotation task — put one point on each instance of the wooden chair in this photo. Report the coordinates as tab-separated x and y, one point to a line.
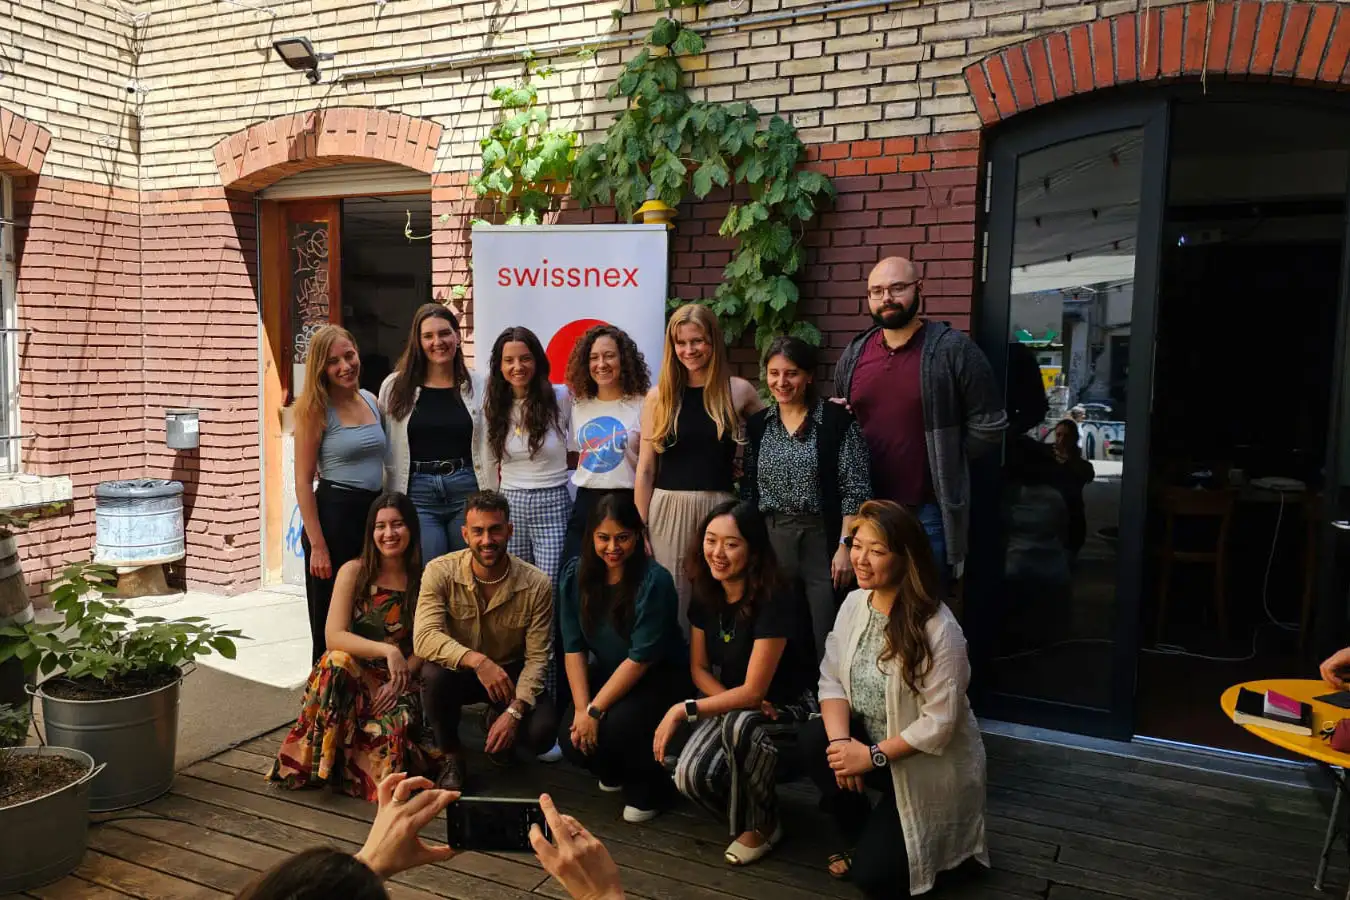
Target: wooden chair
1190	505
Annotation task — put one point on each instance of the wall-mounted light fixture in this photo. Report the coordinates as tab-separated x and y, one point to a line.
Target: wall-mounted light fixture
655	211
298	53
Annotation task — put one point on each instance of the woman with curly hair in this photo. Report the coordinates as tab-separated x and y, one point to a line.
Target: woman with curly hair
608	379
692	428
433	409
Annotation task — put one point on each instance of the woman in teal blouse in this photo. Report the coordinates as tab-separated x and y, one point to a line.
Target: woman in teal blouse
626	659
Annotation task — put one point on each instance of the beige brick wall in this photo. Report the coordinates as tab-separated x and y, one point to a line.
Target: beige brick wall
889	70
65	64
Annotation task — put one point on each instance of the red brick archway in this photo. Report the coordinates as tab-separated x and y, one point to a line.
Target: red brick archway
23	144
1292	42
266	152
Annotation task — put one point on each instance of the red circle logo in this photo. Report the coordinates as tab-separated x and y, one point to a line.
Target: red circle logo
561	344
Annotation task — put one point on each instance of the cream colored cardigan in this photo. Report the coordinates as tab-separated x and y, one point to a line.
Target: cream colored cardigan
397	461
939	791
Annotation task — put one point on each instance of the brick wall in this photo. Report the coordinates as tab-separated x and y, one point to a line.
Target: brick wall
144	189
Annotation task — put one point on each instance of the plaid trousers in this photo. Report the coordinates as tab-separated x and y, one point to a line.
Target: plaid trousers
539	519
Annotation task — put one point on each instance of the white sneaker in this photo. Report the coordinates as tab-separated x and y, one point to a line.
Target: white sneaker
551	755
635	816
610	788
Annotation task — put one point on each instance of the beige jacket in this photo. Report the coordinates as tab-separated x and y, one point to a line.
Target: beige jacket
939	791
516	626
398	460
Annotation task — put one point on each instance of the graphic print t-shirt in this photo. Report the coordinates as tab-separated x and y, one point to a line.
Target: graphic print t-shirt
605	433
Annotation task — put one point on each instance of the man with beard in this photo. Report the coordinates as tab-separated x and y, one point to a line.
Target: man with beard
483	624
927	401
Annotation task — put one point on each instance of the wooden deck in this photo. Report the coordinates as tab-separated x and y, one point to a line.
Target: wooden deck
1064	825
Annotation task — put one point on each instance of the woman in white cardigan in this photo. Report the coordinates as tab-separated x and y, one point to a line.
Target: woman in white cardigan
895	718
433	413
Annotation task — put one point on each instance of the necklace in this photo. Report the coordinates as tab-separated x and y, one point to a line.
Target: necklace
498	581
726	636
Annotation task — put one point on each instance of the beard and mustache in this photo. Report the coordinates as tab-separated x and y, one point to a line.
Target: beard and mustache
898	315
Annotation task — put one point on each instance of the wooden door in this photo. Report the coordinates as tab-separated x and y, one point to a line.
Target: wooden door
301	275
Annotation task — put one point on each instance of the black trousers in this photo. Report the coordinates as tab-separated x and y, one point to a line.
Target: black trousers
623	753
342	519
445	693
880	866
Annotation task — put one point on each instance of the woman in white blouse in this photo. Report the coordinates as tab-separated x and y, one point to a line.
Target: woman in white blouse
895	718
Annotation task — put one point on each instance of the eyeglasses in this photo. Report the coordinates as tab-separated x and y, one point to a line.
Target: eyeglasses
895	290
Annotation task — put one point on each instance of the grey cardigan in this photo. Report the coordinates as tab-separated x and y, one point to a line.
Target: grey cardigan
963	417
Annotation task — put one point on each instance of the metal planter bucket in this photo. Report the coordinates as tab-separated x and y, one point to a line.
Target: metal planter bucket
45	837
136	738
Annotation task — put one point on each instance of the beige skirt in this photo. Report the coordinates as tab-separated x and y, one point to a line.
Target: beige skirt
672	519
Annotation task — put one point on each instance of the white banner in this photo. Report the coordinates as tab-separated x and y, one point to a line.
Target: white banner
560	280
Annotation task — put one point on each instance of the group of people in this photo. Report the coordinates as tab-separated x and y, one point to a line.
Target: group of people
677	628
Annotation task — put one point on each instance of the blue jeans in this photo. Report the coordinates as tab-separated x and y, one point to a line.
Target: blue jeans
930	517
440	503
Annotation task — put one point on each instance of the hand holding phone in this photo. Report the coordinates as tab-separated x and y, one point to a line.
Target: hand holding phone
493	824
407	805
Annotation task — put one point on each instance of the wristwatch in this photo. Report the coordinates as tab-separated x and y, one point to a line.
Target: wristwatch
879	759
514	713
595	713
691	710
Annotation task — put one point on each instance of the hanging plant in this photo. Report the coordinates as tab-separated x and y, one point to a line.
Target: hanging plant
525	163
668	143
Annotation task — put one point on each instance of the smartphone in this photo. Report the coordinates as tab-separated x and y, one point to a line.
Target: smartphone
493	823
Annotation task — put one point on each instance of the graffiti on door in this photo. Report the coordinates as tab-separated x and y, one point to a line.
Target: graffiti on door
294	532
309	284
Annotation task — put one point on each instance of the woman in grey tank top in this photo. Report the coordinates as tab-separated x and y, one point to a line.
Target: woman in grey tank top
340	440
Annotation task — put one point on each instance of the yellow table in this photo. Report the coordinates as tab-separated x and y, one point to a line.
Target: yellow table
1314	748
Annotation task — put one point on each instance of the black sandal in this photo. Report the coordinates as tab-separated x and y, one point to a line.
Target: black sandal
845	857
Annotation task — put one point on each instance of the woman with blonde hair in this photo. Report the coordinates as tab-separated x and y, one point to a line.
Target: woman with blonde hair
692	425
895	718
433	409
339	440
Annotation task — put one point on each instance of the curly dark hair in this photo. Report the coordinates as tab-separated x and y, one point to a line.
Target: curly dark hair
412	365
762	578
541	404
635	379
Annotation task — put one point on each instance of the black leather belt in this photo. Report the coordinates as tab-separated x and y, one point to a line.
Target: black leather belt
441	466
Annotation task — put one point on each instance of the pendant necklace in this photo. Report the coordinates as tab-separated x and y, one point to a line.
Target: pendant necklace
722	632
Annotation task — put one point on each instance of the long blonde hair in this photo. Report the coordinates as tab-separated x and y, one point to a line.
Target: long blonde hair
312	404
717	400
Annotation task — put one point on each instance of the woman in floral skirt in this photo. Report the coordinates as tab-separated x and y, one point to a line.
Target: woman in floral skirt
361	717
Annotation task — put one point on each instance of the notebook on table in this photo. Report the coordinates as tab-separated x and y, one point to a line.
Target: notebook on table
1273	710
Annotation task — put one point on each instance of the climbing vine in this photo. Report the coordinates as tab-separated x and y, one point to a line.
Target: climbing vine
668	143
525	163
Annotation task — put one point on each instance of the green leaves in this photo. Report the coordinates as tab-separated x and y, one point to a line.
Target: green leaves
664	32
522	159
664	139
100	638
687	43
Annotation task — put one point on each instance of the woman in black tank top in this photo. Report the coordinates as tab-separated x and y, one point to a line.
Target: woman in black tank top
691	429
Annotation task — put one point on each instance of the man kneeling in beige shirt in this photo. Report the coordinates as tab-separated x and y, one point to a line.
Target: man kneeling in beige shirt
484	623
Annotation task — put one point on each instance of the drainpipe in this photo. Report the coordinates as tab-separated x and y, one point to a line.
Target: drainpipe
470	58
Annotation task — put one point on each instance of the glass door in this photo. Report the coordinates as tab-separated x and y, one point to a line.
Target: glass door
1067	319
1331	626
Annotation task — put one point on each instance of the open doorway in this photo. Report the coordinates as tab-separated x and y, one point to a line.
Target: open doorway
386	275
1248	299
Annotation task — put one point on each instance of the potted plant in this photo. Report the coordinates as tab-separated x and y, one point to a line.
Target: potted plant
15	609
113	681
44	806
